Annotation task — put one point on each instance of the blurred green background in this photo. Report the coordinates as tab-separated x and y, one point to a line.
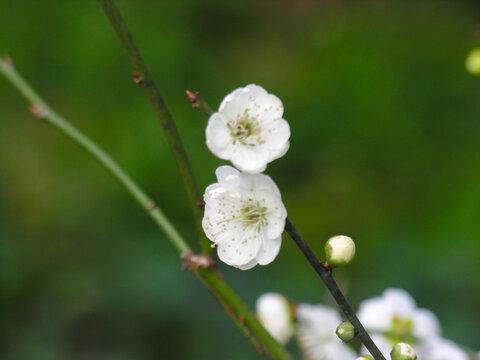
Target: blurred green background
385	148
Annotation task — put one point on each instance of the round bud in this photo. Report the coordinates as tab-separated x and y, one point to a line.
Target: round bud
340	250
403	351
345	331
472	62
365	357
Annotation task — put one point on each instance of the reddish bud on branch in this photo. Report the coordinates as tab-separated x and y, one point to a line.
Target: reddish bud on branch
137	78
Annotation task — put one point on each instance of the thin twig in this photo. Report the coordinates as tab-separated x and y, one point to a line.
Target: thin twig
143	77
329	281
234	306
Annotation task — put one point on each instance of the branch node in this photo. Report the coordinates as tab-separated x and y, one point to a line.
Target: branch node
193	261
137	78
328	268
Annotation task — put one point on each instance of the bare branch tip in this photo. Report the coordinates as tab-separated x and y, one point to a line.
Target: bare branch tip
193	98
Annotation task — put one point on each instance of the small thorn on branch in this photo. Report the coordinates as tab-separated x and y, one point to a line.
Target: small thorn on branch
193	261
37	111
137	78
150	205
7	60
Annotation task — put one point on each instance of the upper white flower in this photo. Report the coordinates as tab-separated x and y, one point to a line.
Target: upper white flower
396	312
248	129
273	311
244	216
437	348
316	333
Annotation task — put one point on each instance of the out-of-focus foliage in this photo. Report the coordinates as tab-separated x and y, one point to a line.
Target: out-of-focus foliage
385	148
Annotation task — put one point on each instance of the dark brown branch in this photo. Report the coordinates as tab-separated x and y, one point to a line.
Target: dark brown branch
144	79
326	275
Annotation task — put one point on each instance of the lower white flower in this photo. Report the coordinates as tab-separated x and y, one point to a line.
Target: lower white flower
273	311
396	312
248	129
244	217
437	348
316	333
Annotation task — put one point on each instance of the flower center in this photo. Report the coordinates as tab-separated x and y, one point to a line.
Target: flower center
246	131
401	325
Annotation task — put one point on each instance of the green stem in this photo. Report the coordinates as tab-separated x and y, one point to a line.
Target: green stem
234	306
43	111
144	78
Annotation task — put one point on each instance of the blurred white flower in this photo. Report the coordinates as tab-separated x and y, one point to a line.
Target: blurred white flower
437	348
244	216
396	312
248	129
273	311
316	333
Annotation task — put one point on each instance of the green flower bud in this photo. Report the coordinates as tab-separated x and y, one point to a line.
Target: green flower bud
345	331
403	351
340	250
365	357
472	62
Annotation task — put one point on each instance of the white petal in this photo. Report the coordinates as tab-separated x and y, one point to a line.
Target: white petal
218	136
236	105
437	348
249	159
275	226
249	265
268	109
269	250
276	136
255	90
400	301
226	173
425	324
241	250
375	314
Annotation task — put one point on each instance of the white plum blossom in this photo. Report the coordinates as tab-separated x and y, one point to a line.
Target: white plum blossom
248	129
437	348
316	333
244	217
396	316
273	311
396	312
